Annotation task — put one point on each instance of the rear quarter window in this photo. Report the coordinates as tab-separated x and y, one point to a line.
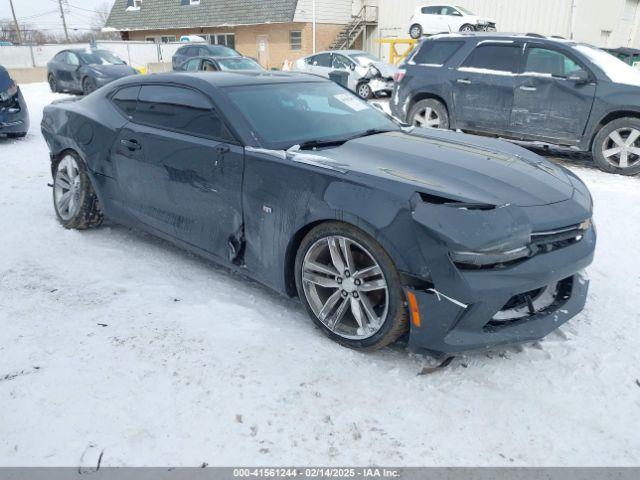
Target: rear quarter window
500	58
436	53
126	99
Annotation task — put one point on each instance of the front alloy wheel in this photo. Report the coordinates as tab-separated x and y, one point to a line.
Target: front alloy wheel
364	91
350	286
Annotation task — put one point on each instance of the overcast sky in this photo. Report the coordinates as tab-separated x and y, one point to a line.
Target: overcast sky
45	14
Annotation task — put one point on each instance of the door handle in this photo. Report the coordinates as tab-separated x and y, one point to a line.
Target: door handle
132	145
528	89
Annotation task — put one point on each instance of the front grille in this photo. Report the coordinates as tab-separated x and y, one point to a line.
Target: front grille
545	242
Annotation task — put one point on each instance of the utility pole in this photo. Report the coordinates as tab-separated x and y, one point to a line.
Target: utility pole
64	21
15	20
313	26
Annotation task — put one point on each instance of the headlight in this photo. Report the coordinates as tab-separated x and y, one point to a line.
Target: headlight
482	259
9	93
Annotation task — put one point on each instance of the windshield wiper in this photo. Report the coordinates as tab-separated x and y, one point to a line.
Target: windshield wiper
335	142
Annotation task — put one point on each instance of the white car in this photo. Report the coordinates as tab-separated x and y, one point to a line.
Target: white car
447	19
367	75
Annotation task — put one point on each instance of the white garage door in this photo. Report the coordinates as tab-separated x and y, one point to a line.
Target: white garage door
624	33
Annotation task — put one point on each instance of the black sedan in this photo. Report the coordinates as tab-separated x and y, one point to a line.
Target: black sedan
295	182
83	71
219	64
14	115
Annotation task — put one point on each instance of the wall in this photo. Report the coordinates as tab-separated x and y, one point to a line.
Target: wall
327	11
547	17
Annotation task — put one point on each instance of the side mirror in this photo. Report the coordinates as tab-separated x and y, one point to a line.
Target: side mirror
579	77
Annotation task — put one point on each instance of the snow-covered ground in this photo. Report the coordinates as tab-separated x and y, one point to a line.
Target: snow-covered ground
113	341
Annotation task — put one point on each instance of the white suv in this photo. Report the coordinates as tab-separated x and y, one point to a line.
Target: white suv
446	19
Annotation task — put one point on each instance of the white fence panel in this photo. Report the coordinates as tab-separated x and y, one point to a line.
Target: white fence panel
44	53
16	57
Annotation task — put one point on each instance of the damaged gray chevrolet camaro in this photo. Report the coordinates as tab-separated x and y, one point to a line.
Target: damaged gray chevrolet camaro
464	242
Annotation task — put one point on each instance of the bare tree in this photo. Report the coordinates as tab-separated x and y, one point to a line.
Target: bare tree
100	20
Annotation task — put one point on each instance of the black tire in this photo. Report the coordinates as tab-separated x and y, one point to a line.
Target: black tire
436	107
363	89
602	143
467	28
396	322
88	213
415	31
88	85
53	84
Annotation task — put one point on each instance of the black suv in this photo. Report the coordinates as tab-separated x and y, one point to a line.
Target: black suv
525	87
200	50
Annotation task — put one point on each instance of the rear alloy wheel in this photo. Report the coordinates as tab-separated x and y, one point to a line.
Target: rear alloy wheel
364	91
429	114
466	28
74	200
53	85
415	31
88	86
616	148
350	287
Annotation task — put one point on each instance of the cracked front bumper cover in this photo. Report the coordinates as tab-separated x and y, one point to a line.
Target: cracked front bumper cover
451	323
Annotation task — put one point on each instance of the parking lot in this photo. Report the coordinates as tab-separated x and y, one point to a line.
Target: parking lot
119	345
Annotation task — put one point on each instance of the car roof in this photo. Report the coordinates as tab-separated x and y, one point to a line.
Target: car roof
502	36
343	52
225	79
222	57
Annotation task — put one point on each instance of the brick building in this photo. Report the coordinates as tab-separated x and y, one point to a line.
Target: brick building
272	31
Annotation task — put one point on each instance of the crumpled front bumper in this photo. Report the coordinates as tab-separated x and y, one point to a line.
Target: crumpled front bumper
449	324
381	85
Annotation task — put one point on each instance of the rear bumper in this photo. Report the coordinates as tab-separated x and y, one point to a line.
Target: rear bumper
449	324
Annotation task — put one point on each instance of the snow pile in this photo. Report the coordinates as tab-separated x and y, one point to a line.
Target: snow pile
612	67
117	343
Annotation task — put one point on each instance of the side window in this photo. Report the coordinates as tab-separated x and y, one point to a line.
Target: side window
192	65
431	10
61	57
436	53
550	62
502	58
208	66
341	62
310	60
72	59
322	60
125	100
180	109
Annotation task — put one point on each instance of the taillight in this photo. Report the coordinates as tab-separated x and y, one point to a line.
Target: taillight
399	75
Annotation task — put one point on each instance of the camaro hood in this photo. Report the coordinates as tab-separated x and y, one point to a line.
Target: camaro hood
456	166
113	71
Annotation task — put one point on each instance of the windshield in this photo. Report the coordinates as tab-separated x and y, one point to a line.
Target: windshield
222	51
288	114
99	57
238	64
614	68
363	59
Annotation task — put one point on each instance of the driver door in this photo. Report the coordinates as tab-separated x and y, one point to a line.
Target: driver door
179	168
547	102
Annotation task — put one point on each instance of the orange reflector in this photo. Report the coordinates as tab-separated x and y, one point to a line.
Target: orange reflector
413	309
